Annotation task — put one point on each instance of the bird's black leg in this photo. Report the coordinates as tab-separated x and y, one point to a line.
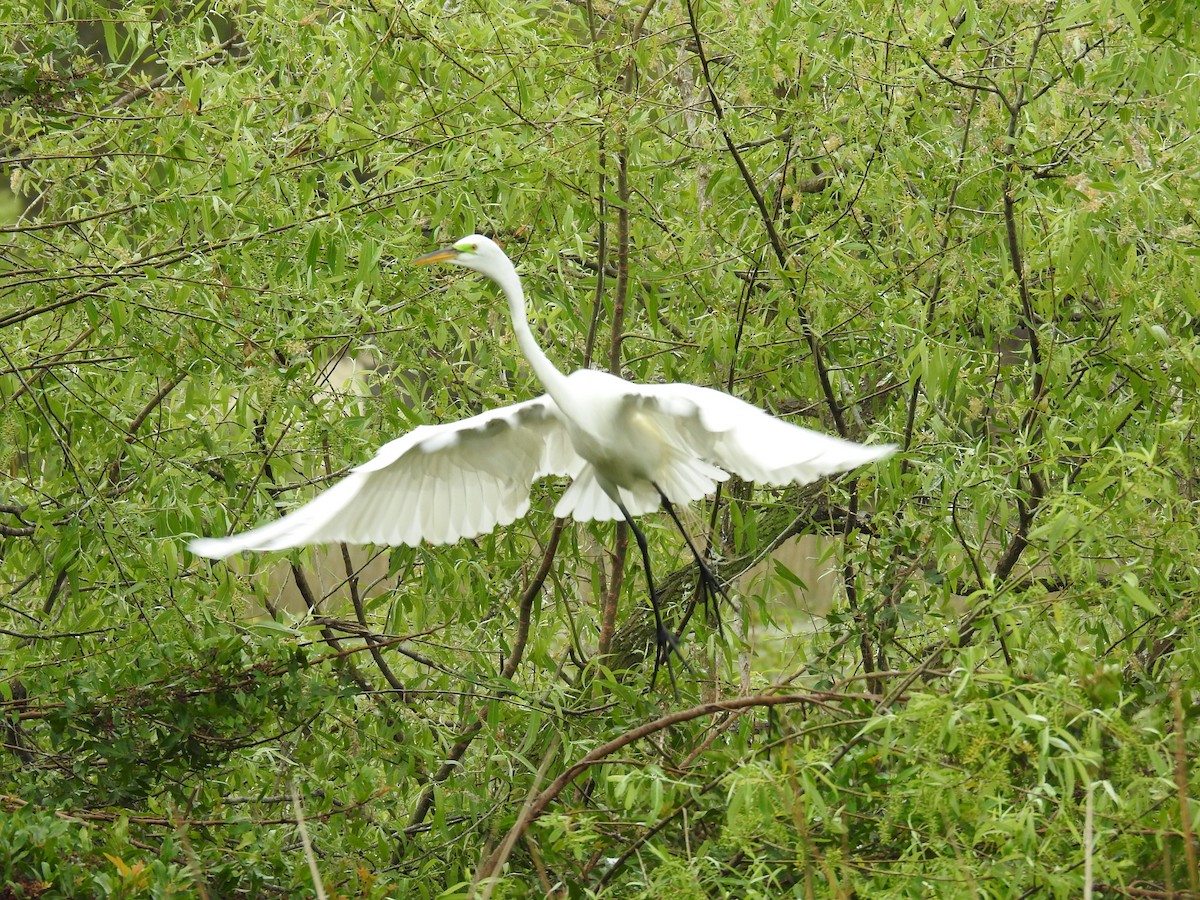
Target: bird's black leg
665	643
713	587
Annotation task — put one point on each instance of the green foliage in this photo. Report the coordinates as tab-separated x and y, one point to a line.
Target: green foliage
972	231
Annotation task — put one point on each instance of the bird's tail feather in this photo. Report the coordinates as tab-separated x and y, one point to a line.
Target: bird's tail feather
586	500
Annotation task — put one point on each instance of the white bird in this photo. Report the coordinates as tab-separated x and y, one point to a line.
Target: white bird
627	447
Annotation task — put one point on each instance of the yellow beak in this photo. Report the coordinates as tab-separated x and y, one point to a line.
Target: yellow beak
446	253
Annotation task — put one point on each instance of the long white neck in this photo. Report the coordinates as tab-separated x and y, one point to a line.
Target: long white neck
551	378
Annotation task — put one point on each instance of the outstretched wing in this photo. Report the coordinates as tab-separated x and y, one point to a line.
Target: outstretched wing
701	436
753	444
438	483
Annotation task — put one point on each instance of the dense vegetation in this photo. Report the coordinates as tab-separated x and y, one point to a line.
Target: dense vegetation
965	226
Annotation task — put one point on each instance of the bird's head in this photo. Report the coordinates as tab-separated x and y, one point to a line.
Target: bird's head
474	251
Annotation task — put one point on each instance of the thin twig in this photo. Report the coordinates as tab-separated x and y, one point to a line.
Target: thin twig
142	90
309	857
489	869
782	256
1181	787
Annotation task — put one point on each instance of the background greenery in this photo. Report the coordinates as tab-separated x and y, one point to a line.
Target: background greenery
967	226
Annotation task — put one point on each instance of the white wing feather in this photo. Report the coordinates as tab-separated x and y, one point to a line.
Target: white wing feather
753	444
438	483
707	434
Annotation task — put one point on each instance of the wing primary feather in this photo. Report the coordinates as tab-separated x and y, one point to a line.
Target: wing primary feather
435	484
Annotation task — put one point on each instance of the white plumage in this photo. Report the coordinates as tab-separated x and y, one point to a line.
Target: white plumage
626	446
620	443
437	484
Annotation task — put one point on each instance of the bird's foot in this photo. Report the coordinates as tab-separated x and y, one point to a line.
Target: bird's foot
711	588
666	643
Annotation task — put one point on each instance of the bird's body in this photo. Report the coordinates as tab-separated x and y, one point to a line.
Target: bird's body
627	447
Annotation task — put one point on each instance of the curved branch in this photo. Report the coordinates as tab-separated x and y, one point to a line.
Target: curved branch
532	811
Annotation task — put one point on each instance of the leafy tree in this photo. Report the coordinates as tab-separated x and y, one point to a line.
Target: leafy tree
966	226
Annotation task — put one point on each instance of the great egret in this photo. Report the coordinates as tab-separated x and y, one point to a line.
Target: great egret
628	449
